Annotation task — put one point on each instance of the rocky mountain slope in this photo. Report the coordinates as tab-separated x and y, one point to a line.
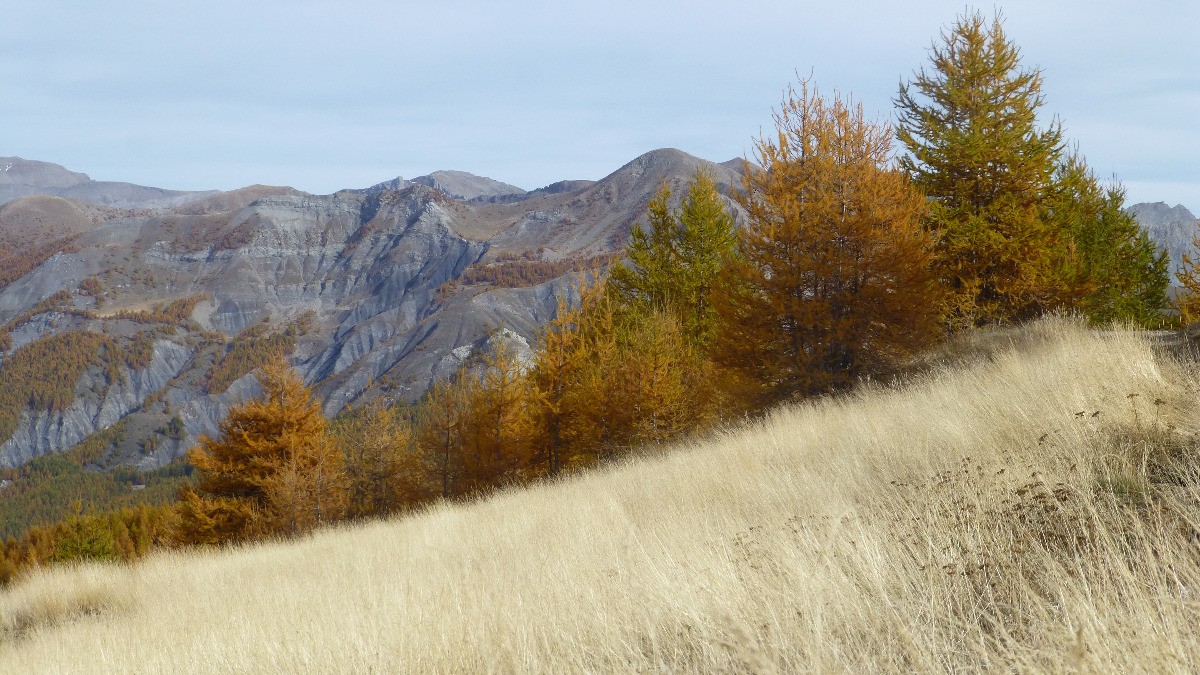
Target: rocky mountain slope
1171	227
162	308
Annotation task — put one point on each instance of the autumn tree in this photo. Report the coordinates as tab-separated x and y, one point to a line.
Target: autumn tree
673	262
440	434
1121	272
607	378
272	468
661	384
499	418
555	384
1187	299
832	280
383	473
975	149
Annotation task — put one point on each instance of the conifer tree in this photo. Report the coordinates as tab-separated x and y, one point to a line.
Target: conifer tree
440	434
383	474
975	149
674	262
499	415
272	468
621	377
832	279
555	386
1120	272
663	384
653	255
1187	299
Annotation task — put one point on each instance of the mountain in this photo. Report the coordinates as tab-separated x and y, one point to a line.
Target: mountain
456	185
463	185
1170	227
157	313
21	177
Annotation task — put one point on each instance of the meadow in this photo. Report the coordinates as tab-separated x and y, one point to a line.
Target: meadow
1028	500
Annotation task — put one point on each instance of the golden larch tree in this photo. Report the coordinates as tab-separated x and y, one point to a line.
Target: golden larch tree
1187	299
383	473
555	386
832	280
272	468
441	434
498	433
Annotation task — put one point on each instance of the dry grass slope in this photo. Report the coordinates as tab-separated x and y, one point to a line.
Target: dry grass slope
972	520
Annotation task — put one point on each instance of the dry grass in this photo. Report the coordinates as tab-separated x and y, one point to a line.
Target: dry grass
969	521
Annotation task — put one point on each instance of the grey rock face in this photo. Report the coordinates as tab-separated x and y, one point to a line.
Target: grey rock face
1170	227
40	433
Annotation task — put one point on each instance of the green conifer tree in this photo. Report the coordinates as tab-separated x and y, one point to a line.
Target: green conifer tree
1122	275
674	264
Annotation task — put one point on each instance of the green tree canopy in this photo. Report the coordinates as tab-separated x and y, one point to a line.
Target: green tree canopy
674	262
1122	274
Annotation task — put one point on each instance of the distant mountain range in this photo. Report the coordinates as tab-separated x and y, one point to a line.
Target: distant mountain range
385	287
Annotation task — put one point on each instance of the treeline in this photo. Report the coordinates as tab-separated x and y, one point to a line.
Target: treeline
850	261
46	490
605	381
126	534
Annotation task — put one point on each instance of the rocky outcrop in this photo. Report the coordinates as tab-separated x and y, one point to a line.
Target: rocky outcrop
40	433
1170	227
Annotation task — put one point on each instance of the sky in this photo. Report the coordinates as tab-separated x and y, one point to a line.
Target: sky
328	95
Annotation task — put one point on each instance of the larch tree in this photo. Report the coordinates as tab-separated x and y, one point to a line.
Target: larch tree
272	468
440	434
498	433
1121	273
663	384
556	387
652	253
383	474
674	261
975	149
1187	299
832	280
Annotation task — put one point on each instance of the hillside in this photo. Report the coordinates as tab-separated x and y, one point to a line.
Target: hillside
1029	505
395	284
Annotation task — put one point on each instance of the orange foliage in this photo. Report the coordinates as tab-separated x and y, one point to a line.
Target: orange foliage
832	279
272	468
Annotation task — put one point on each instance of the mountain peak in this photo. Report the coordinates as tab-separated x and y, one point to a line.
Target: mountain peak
35	174
463	185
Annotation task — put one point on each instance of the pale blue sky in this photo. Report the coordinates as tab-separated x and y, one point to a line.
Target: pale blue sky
323	95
